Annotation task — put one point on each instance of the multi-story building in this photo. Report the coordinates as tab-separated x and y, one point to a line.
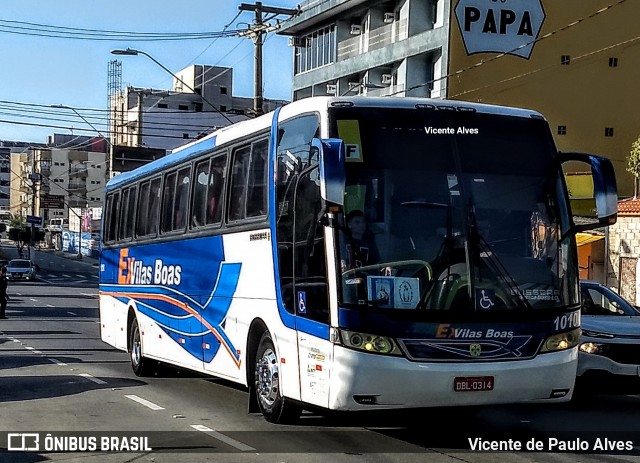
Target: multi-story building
44	176
574	61
349	47
5	177
166	119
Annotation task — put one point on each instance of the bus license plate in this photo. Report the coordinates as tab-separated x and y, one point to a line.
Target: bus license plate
473	383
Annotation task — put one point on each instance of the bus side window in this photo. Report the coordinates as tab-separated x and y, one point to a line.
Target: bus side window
123	213
143	209
237	197
199	199
112	214
154	206
257	181
216	185
181	203
130	213
168	193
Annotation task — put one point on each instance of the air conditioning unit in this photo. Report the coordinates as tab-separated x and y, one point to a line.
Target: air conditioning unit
389	17
296	41
356	29
386	79
332	89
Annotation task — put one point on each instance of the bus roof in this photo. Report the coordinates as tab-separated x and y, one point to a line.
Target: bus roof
321	103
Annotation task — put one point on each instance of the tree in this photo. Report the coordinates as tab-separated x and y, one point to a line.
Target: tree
20	234
633	165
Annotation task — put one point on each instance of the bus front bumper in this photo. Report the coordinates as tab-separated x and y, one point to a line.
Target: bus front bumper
362	381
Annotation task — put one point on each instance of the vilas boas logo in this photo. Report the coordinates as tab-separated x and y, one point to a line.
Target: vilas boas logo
132	271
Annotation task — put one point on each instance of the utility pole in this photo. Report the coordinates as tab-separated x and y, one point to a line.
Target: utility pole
257	32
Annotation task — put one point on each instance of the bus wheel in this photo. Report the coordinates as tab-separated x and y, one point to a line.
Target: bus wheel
274	407
140	365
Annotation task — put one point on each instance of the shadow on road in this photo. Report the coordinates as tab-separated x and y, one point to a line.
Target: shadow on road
19	388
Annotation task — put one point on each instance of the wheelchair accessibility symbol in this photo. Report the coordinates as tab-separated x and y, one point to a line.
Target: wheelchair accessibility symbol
485	298
302	302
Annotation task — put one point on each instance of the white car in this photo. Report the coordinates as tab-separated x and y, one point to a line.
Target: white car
610	342
21	269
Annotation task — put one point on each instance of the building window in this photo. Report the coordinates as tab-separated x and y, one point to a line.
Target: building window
223	90
185	135
197	107
316	49
613	62
562	130
163	106
223	108
183	107
608	131
565	59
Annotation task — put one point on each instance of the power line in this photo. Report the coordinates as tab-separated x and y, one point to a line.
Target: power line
52	31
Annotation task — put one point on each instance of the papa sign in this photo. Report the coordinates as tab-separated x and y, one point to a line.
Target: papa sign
502	26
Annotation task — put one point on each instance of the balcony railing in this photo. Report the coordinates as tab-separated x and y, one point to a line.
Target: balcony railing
76	187
80	172
373	40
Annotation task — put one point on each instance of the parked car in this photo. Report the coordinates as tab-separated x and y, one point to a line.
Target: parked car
610	342
21	269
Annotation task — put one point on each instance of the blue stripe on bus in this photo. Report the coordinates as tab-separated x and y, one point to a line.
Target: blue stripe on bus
183	319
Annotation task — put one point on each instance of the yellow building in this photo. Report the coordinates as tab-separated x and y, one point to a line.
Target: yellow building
582	71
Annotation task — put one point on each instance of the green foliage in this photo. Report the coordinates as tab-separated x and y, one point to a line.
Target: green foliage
17	221
633	163
22	236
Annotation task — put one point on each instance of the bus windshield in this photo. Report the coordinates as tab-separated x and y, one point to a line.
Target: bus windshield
452	211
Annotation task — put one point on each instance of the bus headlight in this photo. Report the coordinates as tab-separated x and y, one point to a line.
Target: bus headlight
369	342
561	341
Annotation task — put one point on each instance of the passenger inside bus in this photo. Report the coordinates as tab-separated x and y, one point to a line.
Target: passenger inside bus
361	249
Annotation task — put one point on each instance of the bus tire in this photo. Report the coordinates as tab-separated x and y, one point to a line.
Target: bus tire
274	407
140	365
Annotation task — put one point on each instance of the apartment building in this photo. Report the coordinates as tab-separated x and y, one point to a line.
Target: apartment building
376	48
166	119
46	182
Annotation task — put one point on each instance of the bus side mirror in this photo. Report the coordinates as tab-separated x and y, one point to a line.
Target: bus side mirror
331	153
593	193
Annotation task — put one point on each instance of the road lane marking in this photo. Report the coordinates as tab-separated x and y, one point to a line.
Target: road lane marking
32	299
32	349
92	378
144	402
221	437
49	305
71	313
57	362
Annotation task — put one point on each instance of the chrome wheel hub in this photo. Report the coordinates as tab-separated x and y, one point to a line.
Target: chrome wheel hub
267	379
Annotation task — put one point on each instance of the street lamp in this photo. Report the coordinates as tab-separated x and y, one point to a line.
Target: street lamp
132	52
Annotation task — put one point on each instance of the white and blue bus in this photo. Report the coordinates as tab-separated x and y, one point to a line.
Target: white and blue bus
233	257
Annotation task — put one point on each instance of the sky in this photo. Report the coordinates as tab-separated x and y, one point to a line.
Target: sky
39	72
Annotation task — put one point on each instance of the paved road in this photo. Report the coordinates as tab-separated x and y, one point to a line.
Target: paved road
58	377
